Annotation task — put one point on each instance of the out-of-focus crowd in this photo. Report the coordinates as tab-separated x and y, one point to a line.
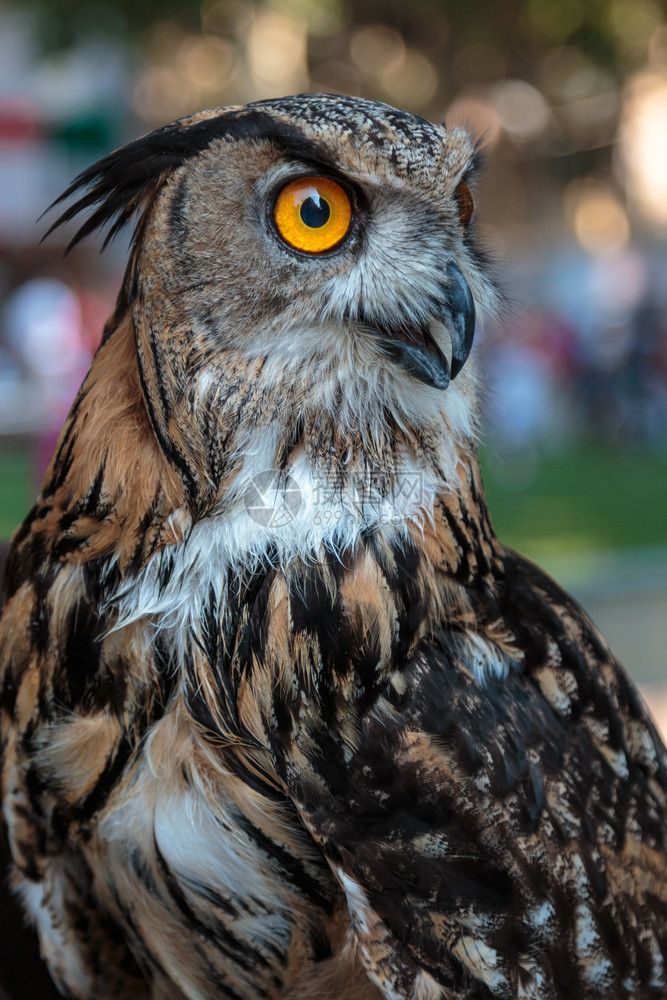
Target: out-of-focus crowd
589	362
49	331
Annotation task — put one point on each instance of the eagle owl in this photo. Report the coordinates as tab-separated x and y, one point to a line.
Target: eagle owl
281	717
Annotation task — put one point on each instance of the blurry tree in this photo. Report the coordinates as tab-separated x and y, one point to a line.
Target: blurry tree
522	30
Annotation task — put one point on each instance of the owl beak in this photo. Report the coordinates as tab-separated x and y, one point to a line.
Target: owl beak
460	313
415	349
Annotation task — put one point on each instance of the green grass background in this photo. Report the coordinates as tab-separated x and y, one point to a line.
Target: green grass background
588	499
17	490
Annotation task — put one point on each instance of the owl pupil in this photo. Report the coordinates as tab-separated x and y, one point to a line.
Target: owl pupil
314	212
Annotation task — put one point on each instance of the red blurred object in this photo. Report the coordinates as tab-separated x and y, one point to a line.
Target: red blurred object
19	120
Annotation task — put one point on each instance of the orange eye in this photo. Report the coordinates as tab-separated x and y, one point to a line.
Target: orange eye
466	204
312	214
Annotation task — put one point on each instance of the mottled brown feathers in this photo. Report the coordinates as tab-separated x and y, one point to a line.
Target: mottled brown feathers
280	716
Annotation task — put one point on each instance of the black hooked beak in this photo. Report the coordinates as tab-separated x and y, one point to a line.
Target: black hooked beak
415	350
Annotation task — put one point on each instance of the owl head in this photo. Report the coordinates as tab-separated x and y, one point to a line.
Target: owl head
306	260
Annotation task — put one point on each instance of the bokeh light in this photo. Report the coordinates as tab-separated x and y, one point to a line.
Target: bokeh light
208	62
522	110
634	21
597	216
643	137
478	115
413	82
276	52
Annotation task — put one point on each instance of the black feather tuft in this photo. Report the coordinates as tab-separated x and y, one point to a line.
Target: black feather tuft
122	182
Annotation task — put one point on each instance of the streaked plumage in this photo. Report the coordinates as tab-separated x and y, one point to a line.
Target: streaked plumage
368	754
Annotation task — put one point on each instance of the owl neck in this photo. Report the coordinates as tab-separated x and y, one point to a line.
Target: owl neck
297	478
313	487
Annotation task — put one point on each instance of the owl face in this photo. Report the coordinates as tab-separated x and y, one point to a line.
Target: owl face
305	261
333	237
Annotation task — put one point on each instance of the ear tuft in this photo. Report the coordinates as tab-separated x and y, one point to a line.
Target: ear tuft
125	181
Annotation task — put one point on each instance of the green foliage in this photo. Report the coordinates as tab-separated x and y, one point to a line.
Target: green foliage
17	491
590	499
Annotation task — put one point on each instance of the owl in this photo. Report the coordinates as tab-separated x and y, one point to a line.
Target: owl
281	717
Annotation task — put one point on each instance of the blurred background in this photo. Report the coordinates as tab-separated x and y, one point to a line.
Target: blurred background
568	99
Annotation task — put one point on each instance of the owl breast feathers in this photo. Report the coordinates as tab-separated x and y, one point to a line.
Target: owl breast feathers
281	718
